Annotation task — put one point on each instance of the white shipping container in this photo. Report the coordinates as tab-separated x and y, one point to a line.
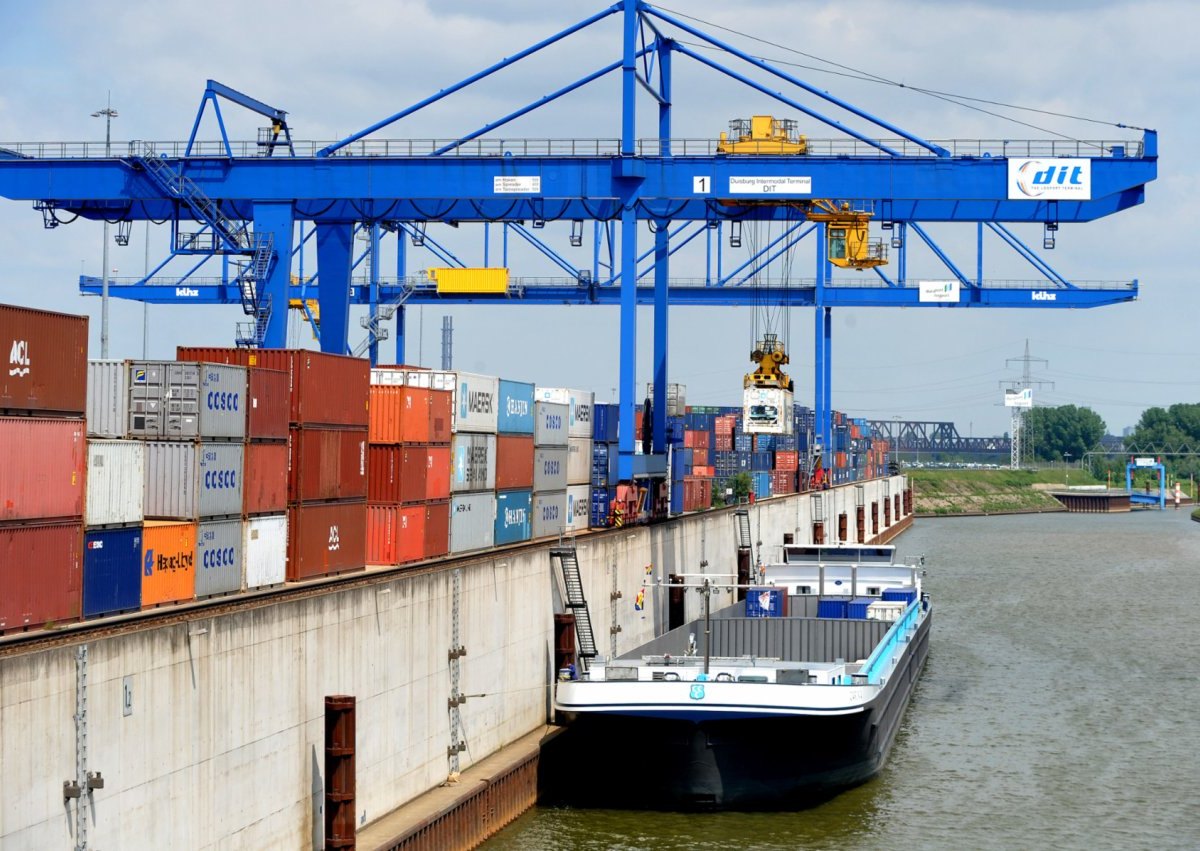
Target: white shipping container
549	514
579	461
107	398
476	402
579	502
264	550
472	522
549	469
218	557
580	404
551	424
768	410
389	377
116	482
472	462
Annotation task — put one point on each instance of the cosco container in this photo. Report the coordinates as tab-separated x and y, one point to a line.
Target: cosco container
549	514
112	571
107	398
515	415
514	462
45	371
186	400
579	461
268	404
326	538
42	468
579	504
767	603
168	562
513	521
475	403
472	463
551	426
549	470
580	404
327	464
472	522
187	481
264	550
218	557
116	482
39	575
600	507
265	479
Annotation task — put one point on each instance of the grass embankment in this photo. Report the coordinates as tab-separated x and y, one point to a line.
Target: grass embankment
990	491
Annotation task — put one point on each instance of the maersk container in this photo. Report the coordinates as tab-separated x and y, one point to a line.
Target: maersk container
43	463
116	483
766	603
264	550
39	575
112	571
579	505
472	462
513	521
857	608
472	522
515	415
218	557
551	426
182	400
107	398
580	406
832	607
476	400
549	470
326	538
549	513
46	369
579	461
604	428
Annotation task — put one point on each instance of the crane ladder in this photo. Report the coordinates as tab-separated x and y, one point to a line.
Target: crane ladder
250	281
744	540
584	638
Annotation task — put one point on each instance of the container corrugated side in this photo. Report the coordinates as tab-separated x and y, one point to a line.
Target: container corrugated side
170	480
326	538
549	513
164	400
549	470
218	557
219	478
327	464
116	482
264	550
513	521
437	529
168	562
107	398
268	407
112	571
514	462
46	367
265	480
475	403
472	522
580	407
579	503
472	463
40	575
395	534
515	414
43	464
579	461
550	424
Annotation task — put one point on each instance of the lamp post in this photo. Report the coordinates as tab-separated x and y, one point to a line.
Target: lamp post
108	114
1067	469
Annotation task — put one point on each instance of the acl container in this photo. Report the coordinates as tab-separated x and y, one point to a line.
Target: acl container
39	575
186	400
472	462
45	370
515	415
326	538
218	557
107	398
578	507
513	521
475	403
187	481
168	562
112	571
327	464
580	405
42	468
264	550
472	522
549	513
116	482
550	424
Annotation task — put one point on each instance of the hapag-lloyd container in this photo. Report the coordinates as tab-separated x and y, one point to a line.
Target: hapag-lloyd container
112	571
549	470
218	557
475	403
579	461
40	575
513	520
42	468
107	398
472	522
549	513
45	368
116	482
579	503
268	404
326	538
186	400
264	550
168	562
265	480
327	464
550	424
514	462
580	405
187	481
515	413
472	462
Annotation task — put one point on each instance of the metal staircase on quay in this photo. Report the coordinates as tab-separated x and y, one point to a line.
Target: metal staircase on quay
744	540
585	640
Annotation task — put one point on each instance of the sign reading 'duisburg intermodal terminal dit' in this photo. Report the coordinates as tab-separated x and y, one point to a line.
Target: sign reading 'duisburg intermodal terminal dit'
1050	180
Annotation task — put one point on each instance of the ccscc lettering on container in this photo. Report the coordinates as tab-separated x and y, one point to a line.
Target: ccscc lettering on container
550	467
220	479
221	400
220	557
549	512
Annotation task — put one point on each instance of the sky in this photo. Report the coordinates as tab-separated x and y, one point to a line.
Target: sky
337	68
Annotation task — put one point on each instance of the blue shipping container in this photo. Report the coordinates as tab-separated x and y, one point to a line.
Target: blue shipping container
856	609
513	516
743	442
766	603
832	607
761	482
515	414
604	426
907	595
677	498
599	508
112	576
761	461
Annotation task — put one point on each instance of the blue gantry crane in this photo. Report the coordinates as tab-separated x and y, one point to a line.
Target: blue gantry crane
243	201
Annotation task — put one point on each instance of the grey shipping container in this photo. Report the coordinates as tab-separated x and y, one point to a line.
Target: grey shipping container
579	461
116	482
187	481
579	499
476	400
107	398
550	426
218	557
182	400
472	463
549	514
472	522
549	470
219	479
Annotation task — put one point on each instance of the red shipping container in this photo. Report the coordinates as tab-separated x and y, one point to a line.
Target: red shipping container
724	442
441	408
42	467
383	474
268	408
689	439
514	462
395	534
787	459
399	414
327	538
700	457
437	530
408	474
329	390
40	575
783	481
327	464
46	366
265	481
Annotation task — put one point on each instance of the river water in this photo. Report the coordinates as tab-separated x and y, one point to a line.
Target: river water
1060	706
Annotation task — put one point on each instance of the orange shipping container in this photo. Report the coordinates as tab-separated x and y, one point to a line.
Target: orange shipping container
168	562
441	406
265	482
399	414
395	534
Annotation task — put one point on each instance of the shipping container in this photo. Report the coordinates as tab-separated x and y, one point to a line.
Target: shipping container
580	405
326	538
513	522
549	470
551	427
187	481
473	463
265	480
218	557
604	429
832	607
219	479
112	571
549	514
327	464
268	404
441	416
383	532
902	595
47	362
579	506
767	603
515	415
171	400
514	462
39	575
579	461
437	529
856	609
475	403
116	483
168	562
472	522
399	414
264	550
107	398
600	508
605	458
890	611
43	465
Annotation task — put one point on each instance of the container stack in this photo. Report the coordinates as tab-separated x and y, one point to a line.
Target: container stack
580	408
265	478
604	462
514	463
43	397
473	462
551	437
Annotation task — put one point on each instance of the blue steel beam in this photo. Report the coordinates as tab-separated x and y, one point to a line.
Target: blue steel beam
1025	251
335	248
277	220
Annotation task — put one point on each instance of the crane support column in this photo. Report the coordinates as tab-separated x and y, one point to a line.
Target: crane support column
278	220
826	315
401	273
335	244
626	173
662	254
373	350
